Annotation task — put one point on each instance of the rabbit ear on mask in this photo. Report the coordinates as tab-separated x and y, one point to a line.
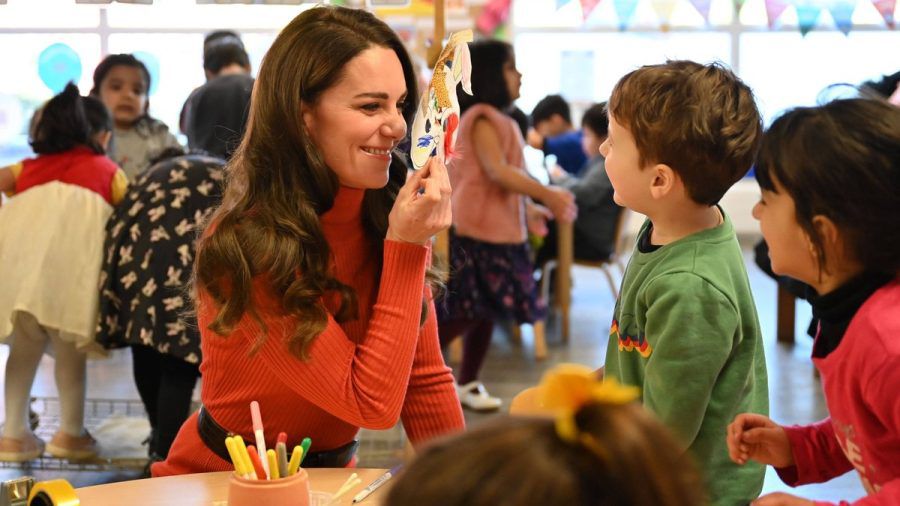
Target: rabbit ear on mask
435	126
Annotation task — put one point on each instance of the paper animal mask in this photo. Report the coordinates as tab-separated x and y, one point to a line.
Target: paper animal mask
437	119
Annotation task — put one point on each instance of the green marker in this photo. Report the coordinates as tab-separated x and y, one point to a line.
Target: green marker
305	444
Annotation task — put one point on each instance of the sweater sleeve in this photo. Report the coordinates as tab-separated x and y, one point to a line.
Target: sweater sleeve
691	326
817	455
432	407
361	383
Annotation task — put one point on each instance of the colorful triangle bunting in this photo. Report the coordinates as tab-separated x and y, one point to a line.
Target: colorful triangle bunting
807	15
625	11
774	9
561	3
587	7
886	8
702	7
664	10
842	13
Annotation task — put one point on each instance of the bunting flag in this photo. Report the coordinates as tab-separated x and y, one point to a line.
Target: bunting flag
842	13
738	5
774	9
494	14
561	3
702	7
664	10
625	10
587	7
886	8
807	15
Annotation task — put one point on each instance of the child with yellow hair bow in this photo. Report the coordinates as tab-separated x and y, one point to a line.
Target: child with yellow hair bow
585	442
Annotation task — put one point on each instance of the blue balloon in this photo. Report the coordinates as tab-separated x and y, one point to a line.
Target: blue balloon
57	65
152	64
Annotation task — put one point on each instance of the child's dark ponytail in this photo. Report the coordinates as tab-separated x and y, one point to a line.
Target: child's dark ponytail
99	121
62	123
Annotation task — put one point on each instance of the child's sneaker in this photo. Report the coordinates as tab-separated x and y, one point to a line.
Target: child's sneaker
22	449
68	447
474	396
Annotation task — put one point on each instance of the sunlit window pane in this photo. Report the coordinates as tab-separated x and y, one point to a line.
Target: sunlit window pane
787	70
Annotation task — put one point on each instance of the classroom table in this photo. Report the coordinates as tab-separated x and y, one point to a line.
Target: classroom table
211	489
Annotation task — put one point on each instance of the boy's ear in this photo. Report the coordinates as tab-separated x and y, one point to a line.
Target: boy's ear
664	180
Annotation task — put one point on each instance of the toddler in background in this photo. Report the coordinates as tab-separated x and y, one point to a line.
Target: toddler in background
51	239
122	83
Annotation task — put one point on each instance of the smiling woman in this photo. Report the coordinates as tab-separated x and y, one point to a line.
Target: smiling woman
311	288
358	122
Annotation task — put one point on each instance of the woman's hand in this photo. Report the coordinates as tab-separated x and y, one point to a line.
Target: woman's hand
422	208
781	499
756	437
536	217
561	203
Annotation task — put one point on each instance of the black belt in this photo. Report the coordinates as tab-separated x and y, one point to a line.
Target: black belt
213	436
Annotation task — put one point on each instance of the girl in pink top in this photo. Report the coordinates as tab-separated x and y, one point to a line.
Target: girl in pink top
491	272
830	179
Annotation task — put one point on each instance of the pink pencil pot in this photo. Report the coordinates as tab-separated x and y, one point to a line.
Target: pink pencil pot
290	491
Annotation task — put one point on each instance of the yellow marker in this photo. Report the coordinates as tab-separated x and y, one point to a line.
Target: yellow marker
235	456
241	449
294	464
273	464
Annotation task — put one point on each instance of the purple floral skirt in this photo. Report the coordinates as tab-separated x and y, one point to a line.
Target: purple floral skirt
489	280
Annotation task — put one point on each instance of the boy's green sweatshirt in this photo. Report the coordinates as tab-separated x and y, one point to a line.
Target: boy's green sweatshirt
685	331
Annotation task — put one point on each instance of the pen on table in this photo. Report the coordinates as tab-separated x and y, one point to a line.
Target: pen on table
260	436
381	480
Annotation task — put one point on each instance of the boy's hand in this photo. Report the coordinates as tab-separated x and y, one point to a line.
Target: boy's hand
781	499
752	436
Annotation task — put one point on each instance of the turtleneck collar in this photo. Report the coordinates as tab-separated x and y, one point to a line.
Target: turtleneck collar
836	309
347	207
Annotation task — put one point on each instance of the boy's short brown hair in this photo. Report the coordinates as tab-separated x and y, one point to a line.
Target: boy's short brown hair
701	120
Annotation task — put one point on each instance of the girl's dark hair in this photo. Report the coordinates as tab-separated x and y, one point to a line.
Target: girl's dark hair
68	120
278	184
488	82
841	160
515	461
124	60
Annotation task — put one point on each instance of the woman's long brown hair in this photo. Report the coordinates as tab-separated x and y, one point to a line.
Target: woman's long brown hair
278	184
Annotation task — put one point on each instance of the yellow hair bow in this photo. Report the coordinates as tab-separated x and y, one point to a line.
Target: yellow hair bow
565	388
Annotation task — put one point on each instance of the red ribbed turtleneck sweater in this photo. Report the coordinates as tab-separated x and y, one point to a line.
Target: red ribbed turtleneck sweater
363	373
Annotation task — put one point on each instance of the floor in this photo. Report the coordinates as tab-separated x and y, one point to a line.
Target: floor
795	392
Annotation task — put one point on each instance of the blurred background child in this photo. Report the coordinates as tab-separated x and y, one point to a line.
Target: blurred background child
122	83
51	236
491	270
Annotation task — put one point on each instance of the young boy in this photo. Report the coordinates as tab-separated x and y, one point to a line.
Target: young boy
598	214
552	132
685	328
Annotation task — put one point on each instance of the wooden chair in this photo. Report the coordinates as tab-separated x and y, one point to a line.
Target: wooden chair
565	260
